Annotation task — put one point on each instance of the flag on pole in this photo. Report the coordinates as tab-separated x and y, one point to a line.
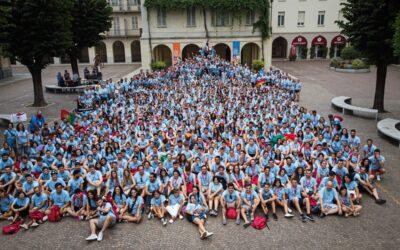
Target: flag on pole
65	114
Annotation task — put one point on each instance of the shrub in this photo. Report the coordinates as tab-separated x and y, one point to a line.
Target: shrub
158	65
359	64
349	53
335	62
257	65
292	57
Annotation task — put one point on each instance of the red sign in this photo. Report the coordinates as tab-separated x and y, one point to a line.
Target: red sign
300	40
319	40
339	40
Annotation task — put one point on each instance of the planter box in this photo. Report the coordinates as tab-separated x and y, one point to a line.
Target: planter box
350	70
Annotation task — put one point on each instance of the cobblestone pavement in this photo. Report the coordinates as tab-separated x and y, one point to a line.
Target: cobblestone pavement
378	227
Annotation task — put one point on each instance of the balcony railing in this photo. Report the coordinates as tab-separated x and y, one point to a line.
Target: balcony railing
123	33
126	8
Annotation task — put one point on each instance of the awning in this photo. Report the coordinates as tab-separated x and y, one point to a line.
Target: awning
300	40
338	40
319	40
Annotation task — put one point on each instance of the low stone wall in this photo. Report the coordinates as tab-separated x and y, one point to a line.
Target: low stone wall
350	70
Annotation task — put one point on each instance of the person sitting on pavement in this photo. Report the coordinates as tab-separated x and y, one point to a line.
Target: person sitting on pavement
106	219
196	214
297	198
329	201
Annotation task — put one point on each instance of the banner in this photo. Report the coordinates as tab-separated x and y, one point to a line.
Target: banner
236	51
176	51
18	117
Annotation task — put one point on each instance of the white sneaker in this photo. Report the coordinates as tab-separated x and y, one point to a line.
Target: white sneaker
34	224
10	218
81	217
100	236
24	226
378	177
150	216
209	234
92	237
45	218
289	210
171	221
180	217
288	215
164	222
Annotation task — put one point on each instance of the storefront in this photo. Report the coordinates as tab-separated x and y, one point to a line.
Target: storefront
318	47
337	44
299	44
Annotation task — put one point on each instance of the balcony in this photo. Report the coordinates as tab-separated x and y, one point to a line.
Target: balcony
125	8
123	33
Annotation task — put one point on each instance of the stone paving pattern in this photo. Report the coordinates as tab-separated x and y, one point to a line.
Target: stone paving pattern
378	227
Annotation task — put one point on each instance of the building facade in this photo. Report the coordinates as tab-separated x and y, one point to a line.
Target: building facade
306	28
300	28
172	34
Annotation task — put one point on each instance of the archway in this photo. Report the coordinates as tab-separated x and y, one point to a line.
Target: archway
136	54
299	44
223	51
163	53
189	51
83	56
279	47
250	52
337	44
118	52
318	47
101	50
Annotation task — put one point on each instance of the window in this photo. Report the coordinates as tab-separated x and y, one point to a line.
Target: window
281	18
321	18
250	18
300	18
191	16
115	2
117	31
133	2
161	17
222	19
135	24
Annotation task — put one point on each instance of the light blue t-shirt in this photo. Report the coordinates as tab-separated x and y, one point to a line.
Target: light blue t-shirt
59	199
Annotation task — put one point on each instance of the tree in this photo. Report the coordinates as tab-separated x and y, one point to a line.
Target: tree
5	12
36	31
90	18
396	39
349	53
369	27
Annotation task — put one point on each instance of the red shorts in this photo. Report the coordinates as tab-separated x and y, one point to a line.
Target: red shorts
375	172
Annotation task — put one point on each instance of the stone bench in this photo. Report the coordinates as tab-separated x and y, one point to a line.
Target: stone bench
58	89
390	128
343	103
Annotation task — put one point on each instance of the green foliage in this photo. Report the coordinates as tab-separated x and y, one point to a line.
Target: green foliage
369	27
5	12
312	52
158	65
303	52
257	65
396	38
359	64
262	6
349	53
37	30
335	62
89	19
331	52
324	52
292	57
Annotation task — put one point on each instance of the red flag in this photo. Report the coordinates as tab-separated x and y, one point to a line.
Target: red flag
260	82
64	114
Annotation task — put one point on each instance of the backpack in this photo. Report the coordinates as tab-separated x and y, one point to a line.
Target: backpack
259	223
36	215
54	215
12	228
231	213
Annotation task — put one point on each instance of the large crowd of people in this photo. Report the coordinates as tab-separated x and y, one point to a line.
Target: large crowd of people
206	137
